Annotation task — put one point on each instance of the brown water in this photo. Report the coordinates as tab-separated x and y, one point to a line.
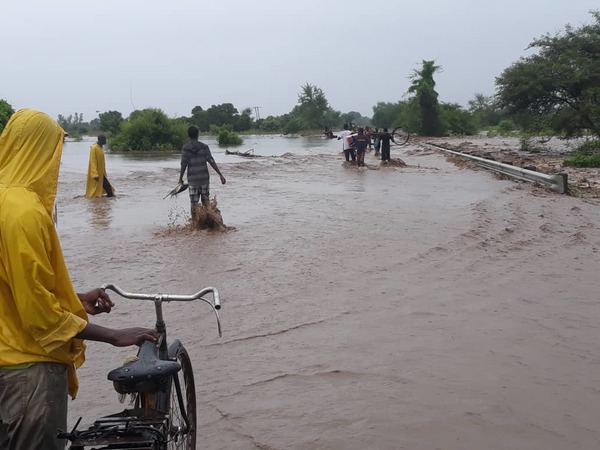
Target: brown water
424	307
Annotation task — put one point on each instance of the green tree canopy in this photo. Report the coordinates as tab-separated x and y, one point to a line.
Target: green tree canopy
221	115
150	130
387	115
485	111
312	108
426	97
559	86
111	121
73	124
456	120
6	110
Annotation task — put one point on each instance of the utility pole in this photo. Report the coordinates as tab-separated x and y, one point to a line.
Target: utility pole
257	112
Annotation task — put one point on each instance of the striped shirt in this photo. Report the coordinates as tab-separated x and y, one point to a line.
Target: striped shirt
194	156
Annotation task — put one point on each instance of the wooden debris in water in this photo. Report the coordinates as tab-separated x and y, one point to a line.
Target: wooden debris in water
247	153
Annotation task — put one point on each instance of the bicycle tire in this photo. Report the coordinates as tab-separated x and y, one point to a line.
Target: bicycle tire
170	400
400	136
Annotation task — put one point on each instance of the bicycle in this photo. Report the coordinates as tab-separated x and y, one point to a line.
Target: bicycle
161	383
400	136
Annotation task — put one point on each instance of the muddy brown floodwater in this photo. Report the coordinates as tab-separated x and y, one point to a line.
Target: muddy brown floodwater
419	307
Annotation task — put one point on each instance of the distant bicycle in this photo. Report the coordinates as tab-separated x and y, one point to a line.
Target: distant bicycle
161	383
400	136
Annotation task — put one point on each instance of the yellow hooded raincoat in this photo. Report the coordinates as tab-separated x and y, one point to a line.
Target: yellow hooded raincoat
96	168
40	313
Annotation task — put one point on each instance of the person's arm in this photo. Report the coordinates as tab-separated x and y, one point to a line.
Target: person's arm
184	164
97	301
119	338
213	164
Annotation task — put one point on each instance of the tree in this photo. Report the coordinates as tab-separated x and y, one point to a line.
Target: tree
386	115
111	121
200	119
73	124
222	114
485	111
457	121
6	110
312	108
559	86
426	97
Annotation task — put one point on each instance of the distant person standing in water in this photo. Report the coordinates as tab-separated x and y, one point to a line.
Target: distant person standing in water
368	133
385	139
194	156
361	141
97	181
377	142
346	146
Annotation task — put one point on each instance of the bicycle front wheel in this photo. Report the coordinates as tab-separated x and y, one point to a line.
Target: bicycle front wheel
182	405
399	136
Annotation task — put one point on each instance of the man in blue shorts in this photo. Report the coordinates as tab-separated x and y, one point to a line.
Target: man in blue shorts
194	156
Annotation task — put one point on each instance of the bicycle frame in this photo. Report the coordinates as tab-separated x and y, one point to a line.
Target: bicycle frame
147	421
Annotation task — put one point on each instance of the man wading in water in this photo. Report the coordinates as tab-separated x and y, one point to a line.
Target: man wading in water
97	181
194	156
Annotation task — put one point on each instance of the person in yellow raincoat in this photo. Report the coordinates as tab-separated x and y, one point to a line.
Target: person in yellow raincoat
43	321
97	180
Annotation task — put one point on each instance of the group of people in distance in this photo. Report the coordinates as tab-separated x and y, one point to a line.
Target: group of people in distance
44	321
354	145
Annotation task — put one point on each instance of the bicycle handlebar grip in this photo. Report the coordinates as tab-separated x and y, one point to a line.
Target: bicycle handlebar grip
217	299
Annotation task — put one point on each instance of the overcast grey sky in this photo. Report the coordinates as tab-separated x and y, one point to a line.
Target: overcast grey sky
67	56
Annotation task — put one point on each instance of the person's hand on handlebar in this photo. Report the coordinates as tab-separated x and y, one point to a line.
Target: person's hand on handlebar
133	336
96	301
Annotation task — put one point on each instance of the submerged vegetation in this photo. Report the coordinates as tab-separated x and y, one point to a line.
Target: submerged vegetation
586	155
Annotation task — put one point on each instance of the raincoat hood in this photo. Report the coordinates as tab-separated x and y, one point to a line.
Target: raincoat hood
30	151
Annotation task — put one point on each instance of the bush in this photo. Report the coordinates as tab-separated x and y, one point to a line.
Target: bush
582	161
586	155
528	144
150	130
506	127
589	148
457	121
294	126
227	137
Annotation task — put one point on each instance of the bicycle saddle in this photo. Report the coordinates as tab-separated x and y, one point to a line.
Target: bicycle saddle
147	374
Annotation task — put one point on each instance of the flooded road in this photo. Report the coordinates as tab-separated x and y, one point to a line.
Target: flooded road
395	308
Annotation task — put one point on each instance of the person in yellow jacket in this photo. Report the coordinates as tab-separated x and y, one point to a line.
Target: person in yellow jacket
43	321
97	181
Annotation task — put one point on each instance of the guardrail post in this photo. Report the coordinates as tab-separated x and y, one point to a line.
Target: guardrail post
562	185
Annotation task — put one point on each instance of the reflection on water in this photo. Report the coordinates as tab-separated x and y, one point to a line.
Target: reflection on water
100	212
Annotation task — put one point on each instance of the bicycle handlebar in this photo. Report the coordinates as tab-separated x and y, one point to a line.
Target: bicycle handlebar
159	298
169	297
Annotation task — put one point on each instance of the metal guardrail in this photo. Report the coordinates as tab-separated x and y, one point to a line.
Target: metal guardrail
558	182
